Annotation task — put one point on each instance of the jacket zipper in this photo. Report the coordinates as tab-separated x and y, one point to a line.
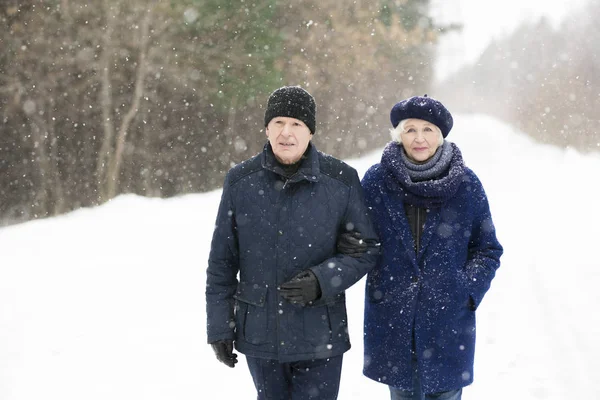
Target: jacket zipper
287	180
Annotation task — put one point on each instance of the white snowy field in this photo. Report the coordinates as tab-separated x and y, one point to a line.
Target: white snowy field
108	303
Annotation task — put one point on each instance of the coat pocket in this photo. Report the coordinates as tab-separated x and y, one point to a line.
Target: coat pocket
326	323
251	312
339	322
317	328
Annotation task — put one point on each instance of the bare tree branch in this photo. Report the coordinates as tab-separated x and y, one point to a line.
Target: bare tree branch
117	159
106	104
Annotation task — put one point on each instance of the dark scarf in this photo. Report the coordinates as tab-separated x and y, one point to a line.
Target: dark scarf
424	185
285	170
290	169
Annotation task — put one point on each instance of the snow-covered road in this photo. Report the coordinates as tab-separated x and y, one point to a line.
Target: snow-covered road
108	303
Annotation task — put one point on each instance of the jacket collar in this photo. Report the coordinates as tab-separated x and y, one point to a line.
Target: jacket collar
309	168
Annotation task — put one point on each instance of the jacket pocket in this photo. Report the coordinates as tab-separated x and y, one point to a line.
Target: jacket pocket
326	323
339	322
471	305
317	327
464	283
251	312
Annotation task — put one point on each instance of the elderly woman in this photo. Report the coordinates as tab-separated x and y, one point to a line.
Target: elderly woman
439	253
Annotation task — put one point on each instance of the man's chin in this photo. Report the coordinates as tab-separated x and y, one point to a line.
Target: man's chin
286	158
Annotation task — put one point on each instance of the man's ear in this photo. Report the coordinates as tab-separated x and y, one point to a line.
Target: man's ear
267	131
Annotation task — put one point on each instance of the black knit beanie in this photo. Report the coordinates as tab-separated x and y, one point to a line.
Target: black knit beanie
293	102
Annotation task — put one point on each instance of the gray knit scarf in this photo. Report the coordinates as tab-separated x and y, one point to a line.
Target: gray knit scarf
424	185
430	169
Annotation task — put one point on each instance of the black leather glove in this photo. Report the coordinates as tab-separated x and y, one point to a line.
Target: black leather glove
351	244
302	288
224	352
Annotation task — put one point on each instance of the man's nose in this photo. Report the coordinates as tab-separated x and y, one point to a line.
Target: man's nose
287	129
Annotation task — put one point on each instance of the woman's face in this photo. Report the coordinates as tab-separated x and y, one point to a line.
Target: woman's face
420	139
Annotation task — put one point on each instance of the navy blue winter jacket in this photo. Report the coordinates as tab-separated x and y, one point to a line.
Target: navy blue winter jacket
269	229
434	292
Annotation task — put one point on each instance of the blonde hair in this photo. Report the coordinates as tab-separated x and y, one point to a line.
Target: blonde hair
395	133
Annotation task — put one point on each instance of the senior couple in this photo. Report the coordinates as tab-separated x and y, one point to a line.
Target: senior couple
296	228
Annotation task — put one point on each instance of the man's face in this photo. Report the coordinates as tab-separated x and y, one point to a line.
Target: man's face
289	138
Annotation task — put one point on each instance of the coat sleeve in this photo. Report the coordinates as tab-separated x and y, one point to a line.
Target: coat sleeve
338	273
484	249
221	274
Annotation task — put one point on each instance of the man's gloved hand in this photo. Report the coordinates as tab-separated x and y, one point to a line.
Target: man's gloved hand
302	288
351	244
224	352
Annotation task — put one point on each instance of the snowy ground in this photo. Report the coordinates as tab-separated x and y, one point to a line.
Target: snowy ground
108	303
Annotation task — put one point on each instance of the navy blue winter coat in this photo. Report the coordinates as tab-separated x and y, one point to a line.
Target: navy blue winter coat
437	289
269	229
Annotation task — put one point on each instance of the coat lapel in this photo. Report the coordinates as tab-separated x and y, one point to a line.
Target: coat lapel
394	204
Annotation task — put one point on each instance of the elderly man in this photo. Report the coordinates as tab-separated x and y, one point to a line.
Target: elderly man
292	222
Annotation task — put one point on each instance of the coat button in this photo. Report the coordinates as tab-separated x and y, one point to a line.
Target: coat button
415	279
280	232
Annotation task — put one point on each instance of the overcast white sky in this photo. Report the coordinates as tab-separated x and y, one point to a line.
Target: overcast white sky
484	20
